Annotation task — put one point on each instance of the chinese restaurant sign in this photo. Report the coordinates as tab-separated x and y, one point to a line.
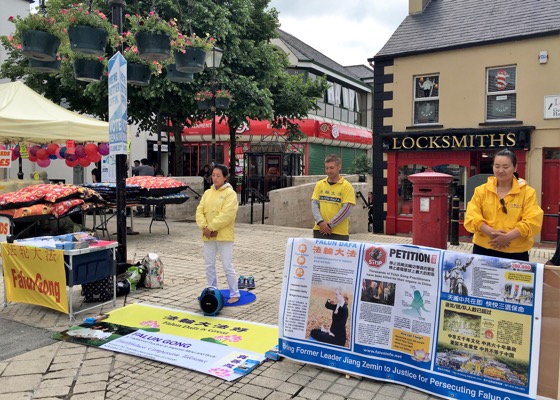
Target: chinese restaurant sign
456	325
35	275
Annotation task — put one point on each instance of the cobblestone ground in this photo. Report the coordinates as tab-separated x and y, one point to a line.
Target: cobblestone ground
67	371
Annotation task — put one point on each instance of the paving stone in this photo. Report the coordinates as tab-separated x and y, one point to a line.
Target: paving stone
13	384
54	391
90	387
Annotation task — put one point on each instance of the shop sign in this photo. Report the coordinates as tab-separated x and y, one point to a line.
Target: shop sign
518	139
164	147
551	107
5	158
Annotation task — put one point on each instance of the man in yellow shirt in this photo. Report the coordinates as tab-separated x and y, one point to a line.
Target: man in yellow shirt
332	202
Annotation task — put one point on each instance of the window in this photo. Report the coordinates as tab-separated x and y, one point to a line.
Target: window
426	99
501	98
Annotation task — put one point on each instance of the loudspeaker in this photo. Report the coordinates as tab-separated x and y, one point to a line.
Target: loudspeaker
211	301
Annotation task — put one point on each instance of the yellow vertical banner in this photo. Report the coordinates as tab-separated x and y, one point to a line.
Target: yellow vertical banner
35	275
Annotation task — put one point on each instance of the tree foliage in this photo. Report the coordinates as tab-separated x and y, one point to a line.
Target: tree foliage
253	70
361	165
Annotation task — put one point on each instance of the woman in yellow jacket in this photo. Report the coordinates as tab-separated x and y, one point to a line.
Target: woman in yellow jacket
503	213
215	216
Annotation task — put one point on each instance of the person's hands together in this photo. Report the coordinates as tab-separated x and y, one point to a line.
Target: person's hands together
500	240
324	228
207	233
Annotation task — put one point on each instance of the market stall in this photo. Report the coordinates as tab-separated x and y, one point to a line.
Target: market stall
152	191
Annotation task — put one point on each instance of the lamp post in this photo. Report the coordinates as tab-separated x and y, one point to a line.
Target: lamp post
213	61
117	13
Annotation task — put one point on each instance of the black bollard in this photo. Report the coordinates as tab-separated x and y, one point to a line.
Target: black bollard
454	240
555	260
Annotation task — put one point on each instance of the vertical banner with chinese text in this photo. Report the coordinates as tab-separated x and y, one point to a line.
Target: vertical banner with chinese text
35	275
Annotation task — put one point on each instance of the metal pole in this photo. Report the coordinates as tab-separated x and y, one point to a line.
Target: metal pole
117	14
213	109
455	221
159	141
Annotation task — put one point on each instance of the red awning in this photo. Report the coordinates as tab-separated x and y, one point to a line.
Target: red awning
316	129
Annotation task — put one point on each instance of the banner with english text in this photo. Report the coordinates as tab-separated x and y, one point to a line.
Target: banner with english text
456	325
35	275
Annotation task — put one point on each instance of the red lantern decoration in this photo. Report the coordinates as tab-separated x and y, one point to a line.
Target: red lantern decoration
90	149
52	148
96	157
42	154
71	163
84	162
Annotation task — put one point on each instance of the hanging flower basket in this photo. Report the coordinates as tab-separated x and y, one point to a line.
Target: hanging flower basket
222	102
88	70
204	104
192	60
138	74
87	40
153	46
179	77
44	66
39	45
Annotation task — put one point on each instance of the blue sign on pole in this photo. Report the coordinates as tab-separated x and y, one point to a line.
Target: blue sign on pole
118	118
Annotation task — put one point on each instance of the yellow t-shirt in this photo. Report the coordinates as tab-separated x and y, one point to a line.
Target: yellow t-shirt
331	198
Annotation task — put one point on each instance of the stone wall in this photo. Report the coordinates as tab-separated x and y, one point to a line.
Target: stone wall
289	206
292	207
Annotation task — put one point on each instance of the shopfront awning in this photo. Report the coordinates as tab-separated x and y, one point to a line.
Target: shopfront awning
316	129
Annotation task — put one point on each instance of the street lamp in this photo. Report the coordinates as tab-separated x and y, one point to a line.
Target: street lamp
213	61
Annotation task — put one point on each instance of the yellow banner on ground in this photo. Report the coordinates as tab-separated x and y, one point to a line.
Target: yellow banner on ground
35	275
258	338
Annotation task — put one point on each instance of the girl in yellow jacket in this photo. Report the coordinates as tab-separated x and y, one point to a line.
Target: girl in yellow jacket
503	213
215	216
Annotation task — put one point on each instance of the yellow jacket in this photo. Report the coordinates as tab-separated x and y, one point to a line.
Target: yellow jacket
217	211
523	213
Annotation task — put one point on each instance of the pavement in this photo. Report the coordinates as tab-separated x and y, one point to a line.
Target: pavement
45	369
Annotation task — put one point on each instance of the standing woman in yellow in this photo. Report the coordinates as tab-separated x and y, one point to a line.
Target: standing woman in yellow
503	213
215	216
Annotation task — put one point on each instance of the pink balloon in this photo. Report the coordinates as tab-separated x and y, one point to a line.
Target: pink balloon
57	153
103	149
2	147
44	163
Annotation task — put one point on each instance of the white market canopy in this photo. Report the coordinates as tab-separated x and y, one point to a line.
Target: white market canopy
25	115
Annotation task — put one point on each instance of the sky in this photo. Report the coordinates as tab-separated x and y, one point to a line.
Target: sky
348	31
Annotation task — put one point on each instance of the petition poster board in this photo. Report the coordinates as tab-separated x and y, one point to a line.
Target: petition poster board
451	324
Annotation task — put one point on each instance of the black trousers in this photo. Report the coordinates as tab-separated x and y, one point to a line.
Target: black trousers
523	256
319	235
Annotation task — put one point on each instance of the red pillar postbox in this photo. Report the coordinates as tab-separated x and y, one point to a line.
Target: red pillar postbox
429	208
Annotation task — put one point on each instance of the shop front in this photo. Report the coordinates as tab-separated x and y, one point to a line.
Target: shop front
322	136
467	155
